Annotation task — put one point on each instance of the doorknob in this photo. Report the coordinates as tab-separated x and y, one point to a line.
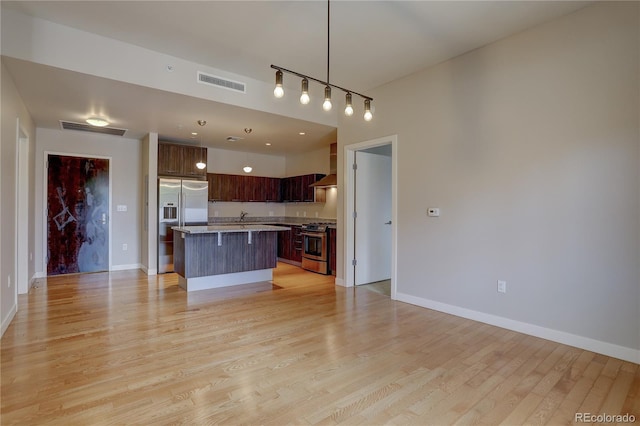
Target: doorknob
388	223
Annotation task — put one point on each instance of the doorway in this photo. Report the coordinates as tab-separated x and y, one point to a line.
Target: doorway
78	223
370	234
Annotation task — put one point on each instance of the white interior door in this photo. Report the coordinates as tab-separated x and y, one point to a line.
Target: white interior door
373	217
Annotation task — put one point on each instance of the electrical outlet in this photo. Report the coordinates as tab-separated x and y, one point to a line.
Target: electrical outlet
125	247
433	212
502	286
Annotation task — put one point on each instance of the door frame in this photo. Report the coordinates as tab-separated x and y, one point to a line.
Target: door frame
21	249
45	212
350	188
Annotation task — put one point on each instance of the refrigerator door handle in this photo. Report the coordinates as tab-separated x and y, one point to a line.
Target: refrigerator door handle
183	207
180	209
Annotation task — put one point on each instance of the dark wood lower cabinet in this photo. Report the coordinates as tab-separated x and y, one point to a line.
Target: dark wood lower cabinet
290	245
332	250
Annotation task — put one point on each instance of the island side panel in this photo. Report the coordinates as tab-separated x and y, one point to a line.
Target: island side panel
178	253
203	257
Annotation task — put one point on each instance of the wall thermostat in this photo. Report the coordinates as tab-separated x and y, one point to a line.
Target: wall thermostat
433	212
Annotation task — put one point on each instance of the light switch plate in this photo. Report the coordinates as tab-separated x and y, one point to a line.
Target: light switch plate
122	208
433	212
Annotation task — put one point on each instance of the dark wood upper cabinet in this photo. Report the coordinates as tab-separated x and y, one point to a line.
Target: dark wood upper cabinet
180	160
169	160
298	189
224	187
190	156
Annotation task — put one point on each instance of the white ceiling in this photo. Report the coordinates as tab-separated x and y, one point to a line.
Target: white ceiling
372	43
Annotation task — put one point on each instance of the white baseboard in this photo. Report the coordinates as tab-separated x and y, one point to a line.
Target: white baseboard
39	275
7	319
126	267
340	282
605	348
148	271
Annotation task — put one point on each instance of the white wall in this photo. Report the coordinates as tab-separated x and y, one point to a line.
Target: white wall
148	204
13	112
126	157
231	162
44	42
530	148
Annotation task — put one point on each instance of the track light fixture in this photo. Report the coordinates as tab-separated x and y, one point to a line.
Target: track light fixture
348	109
278	92
367	110
326	105
304	97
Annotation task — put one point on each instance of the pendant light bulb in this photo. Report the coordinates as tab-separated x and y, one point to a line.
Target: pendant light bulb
278	92
247	169
200	165
367	110
327	99
304	97
348	110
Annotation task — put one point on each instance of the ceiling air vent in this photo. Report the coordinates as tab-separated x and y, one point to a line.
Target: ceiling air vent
213	80
69	125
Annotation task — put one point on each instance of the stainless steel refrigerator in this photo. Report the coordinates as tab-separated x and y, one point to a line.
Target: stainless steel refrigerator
180	202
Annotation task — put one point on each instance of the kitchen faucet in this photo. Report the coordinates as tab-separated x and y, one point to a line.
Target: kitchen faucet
242	215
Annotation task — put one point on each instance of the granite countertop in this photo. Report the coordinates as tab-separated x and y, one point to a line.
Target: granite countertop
232	227
272	220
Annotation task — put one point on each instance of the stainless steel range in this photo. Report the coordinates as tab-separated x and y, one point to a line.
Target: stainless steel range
315	247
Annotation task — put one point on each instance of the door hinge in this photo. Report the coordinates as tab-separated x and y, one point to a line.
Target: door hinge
354	262
355	166
355	215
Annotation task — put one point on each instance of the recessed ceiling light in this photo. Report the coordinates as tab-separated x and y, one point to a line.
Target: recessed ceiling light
302	133
268	144
194	133
97	121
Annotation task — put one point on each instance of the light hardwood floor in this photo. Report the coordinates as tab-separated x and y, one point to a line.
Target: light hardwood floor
123	348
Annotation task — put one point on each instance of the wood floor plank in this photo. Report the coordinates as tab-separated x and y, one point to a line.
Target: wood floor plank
124	348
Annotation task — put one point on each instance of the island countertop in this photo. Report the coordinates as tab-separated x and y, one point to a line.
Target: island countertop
212	229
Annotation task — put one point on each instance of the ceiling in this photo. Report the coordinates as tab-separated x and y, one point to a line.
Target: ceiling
372	43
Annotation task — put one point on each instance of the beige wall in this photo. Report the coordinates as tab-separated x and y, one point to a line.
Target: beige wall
126	188
530	148
13	112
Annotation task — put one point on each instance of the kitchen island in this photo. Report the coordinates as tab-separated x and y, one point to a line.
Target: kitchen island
216	256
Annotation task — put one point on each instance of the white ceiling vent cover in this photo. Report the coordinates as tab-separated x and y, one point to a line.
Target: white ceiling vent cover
213	80
70	125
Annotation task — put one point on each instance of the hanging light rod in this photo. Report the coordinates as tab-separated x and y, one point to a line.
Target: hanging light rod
324	83
278	92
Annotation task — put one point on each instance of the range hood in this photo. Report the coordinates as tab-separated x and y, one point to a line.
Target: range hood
331	180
